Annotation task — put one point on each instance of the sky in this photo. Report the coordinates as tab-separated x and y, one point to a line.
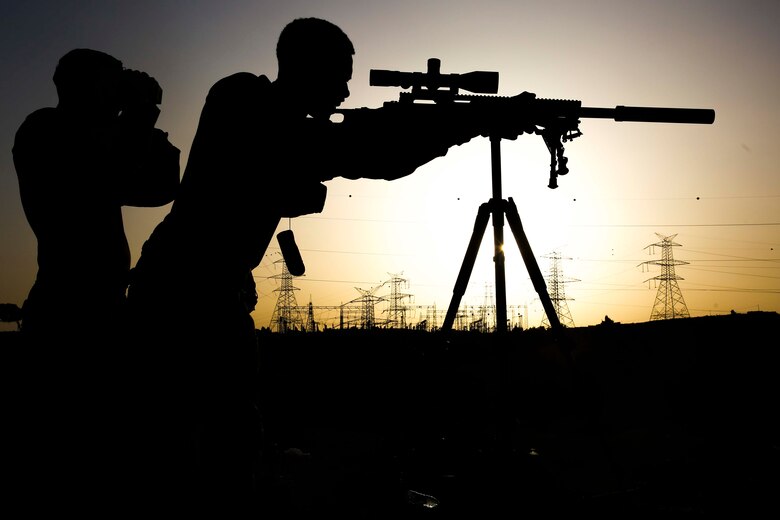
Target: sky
713	188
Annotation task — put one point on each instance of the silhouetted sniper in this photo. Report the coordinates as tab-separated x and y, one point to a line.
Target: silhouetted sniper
77	165
262	151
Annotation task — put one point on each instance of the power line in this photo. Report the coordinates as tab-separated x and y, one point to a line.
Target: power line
733	224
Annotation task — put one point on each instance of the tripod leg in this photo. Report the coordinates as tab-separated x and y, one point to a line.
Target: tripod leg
499	258
480	224
513	217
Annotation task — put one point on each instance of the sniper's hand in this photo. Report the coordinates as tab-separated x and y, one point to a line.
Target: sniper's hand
140	96
138	87
514	121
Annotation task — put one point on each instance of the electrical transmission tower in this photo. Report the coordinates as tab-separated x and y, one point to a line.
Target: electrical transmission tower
555	283
287	314
669	302
367	304
429	320
486	313
432	318
396	313
311	324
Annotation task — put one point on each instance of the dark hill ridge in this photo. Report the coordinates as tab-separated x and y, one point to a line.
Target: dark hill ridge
641	420
647	420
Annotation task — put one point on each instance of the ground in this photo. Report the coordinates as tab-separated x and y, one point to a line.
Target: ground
672	418
667	418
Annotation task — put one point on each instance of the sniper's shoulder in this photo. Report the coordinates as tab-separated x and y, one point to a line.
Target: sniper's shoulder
240	84
38	126
41	117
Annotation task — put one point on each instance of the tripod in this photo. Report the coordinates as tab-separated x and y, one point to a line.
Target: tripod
499	207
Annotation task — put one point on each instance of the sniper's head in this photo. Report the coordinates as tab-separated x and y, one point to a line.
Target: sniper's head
315	64
89	81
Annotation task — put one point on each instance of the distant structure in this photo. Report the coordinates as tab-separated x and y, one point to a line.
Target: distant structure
397	309
517	315
485	316
367	306
347	316
311	324
555	283
431	320
669	302
287	314
360	312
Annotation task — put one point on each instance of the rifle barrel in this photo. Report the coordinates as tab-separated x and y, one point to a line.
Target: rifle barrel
702	116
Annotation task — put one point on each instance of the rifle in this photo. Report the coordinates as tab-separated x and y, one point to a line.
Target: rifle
556	120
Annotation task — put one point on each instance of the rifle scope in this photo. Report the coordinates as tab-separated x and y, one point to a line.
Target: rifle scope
478	82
